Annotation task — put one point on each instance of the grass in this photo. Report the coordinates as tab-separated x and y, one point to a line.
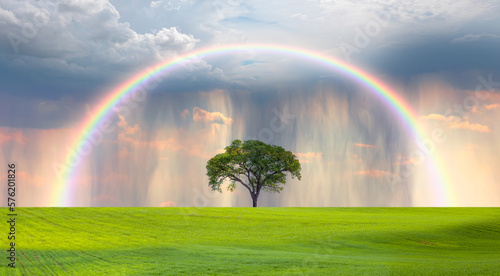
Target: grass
255	241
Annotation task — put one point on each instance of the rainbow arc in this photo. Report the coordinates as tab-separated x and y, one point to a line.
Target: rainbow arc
389	97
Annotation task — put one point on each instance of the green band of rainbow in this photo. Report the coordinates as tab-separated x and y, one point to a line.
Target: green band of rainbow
64	188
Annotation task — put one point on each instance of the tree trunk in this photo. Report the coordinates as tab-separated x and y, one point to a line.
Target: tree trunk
254	199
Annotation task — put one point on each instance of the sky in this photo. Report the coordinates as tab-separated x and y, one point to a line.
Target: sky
60	59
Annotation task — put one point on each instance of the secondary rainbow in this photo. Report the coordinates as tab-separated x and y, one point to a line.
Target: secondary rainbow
400	107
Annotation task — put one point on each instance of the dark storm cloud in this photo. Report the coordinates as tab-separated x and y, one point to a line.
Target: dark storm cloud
437	57
83	50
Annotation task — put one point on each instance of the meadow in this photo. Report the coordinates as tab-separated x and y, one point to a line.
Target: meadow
255	241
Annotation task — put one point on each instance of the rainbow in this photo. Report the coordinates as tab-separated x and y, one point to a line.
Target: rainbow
399	106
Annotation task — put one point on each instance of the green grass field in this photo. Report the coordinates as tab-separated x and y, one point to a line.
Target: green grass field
255	241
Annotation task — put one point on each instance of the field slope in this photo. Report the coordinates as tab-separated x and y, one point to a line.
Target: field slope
255	241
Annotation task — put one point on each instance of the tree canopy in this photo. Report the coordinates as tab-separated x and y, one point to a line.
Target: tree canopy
253	164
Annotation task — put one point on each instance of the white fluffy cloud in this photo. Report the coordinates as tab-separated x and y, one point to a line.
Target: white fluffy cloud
81	34
170	5
87	33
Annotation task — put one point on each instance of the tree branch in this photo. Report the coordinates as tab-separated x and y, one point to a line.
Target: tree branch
234	178
250	182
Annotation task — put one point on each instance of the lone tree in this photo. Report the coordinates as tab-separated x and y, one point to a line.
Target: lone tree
253	164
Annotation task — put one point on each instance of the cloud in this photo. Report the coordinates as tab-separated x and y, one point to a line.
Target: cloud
373	173
301	16
475	109
127	131
473	37
307	157
364	145
15	136
357	158
310	154
155	4
8	17
469	126
135	137
171	5
200	115
454	122
492	106
495	97
168	204
124	153
492	95
428	16
85	35
437	117
184	113
405	160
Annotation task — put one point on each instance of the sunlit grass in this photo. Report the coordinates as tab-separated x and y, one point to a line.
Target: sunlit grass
256	241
